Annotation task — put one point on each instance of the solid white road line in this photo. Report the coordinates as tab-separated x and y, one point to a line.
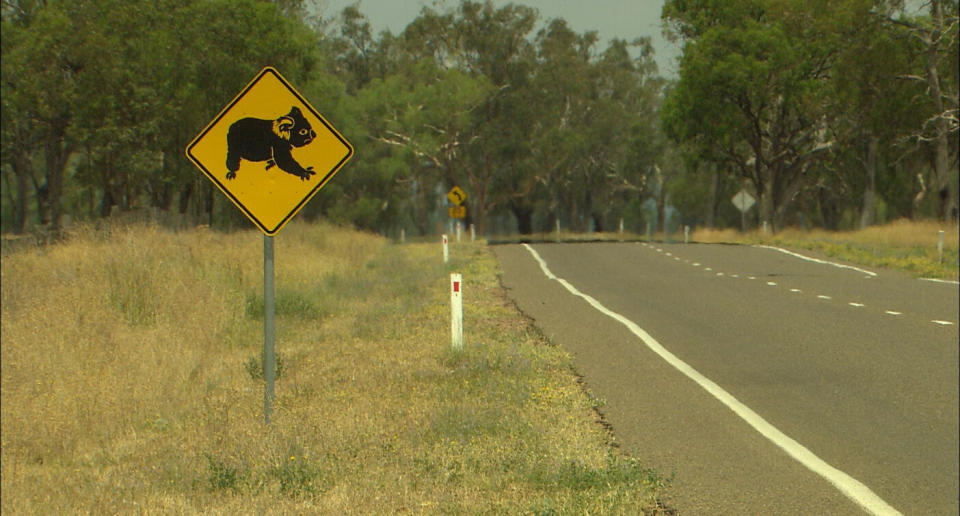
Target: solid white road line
950	282
848	485
809	259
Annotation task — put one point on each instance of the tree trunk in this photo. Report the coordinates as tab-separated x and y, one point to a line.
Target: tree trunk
766	200
524	215
712	197
946	195
56	157
21	169
661	210
829	214
868	212
598	225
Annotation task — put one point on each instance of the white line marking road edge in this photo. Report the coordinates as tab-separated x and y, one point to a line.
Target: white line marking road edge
949	282
809	259
848	485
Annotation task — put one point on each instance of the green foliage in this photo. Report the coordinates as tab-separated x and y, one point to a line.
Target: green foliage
254	367
300	476
222	476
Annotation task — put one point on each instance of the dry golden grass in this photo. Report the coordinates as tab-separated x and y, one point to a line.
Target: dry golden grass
126	386
906	245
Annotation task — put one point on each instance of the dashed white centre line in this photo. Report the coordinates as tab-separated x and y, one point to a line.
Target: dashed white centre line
891	312
943	323
772	283
849	486
858	305
795	290
821	296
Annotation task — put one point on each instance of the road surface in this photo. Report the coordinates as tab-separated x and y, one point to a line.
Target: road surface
781	385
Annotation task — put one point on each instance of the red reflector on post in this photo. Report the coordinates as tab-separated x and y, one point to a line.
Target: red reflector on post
456	286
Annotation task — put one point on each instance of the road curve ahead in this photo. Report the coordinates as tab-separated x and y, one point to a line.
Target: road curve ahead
765	382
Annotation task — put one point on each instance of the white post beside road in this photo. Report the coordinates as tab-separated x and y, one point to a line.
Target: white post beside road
459	228
686	234
446	250
940	247
621	226
558	229
473	234
403	236
456	310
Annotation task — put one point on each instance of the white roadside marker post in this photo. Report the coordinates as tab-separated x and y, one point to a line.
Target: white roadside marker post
459	228
446	250
456	311
403	236
686	234
621	226
558	229
473	234
940	247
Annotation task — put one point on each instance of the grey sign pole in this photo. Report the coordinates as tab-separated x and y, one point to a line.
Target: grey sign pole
269	362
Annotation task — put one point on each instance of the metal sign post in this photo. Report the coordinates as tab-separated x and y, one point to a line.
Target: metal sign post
743	201
269	151
269	361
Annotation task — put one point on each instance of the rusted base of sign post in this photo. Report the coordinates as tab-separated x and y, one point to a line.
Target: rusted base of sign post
269	361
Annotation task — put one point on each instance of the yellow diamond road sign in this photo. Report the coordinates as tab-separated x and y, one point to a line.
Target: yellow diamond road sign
269	151
456	196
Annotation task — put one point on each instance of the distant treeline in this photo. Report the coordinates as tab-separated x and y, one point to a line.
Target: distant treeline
831	113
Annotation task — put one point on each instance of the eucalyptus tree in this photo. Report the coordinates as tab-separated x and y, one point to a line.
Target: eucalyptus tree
41	63
751	84
935	30
872	110
490	45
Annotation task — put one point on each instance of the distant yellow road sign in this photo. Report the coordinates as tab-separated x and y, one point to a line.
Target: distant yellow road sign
456	196
269	151
458	212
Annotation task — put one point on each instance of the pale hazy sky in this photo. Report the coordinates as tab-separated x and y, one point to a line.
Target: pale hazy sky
624	19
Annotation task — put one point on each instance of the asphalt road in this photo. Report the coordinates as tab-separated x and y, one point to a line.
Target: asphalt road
861	371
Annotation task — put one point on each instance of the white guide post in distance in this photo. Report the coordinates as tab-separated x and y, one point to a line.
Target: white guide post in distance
456	310
446	250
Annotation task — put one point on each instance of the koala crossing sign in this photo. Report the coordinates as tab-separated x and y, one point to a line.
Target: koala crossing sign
269	151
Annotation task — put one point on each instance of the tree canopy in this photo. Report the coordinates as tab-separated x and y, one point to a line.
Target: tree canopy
830	112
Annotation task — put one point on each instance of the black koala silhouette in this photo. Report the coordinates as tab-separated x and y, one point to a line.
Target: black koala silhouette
254	139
